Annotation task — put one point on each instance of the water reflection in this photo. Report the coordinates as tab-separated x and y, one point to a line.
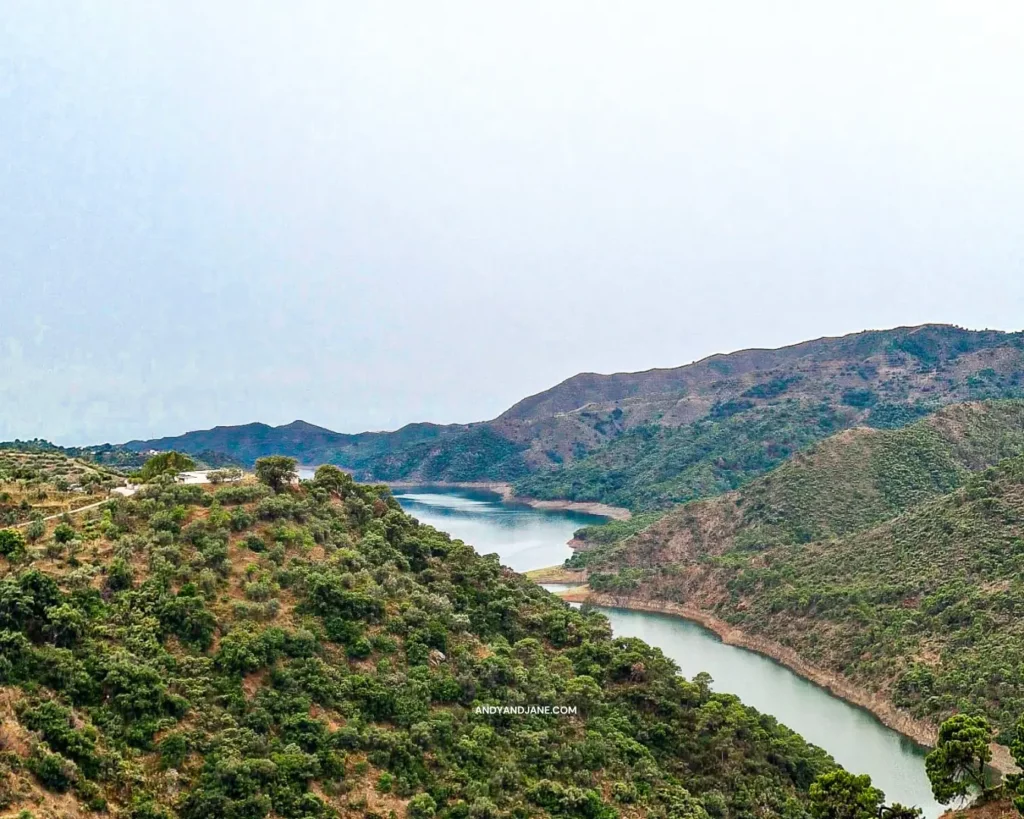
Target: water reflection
523	538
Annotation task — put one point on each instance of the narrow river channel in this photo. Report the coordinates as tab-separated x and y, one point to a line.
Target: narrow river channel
528	538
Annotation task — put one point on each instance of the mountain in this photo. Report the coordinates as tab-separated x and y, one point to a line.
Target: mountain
740	415
652	439
308	443
891	558
200	652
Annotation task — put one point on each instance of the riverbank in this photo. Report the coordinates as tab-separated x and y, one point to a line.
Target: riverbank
922	733
558	574
508	495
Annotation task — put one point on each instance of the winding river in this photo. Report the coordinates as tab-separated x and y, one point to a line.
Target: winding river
528	538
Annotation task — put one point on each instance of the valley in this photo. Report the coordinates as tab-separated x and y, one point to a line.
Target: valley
889	559
849	507
525	540
272	648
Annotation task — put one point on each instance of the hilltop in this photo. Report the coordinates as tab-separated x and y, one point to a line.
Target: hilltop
199	652
652	439
891	558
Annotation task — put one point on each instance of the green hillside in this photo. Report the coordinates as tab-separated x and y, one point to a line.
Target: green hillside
38	482
307	443
893	558
925	608
654	467
202	652
651	439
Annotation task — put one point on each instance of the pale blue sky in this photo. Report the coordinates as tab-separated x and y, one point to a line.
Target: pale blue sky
364	214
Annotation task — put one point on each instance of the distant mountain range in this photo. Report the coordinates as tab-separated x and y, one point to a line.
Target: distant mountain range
654	438
310	444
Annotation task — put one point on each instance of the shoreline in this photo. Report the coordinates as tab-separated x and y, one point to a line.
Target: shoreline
922	733
508	495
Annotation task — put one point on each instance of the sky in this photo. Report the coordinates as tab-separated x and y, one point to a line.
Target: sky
367	214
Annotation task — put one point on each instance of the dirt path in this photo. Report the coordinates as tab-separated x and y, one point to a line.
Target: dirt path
80	509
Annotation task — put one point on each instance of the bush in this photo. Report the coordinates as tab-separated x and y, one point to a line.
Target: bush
120	575
12	544
255	543
421	806
53	771
64	533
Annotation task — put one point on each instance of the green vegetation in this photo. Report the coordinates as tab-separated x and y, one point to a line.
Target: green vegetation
956	767
166	463
858	479
480	453
37	482
852	555
841	795
276	471
202	651
653	467
607	534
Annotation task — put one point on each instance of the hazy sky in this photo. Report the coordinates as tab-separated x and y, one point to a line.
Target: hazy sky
364	214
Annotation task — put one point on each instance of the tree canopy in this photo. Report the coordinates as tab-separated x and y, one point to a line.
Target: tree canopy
957	764
166	463
276	471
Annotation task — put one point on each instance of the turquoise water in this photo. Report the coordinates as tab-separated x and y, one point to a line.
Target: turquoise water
526	538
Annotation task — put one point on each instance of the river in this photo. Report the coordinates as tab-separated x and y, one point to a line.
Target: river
526	538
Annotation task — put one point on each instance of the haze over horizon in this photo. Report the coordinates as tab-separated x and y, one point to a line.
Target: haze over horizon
369	217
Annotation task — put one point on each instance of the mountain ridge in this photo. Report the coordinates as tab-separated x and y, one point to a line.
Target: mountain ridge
882	377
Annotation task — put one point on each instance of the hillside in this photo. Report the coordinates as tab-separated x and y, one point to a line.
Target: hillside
738	416
35	483
203	652
652	439
653	466
891	558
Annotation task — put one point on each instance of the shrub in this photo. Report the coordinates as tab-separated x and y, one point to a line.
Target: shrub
53	771
12	544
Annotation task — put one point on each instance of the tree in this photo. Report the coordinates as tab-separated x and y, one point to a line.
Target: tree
840	794
421	806
166	463
333	479
276	471
958	762
12	544
64	533
1015	782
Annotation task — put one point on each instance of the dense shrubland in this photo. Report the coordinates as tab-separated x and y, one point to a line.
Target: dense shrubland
891	558
235	651
655	466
